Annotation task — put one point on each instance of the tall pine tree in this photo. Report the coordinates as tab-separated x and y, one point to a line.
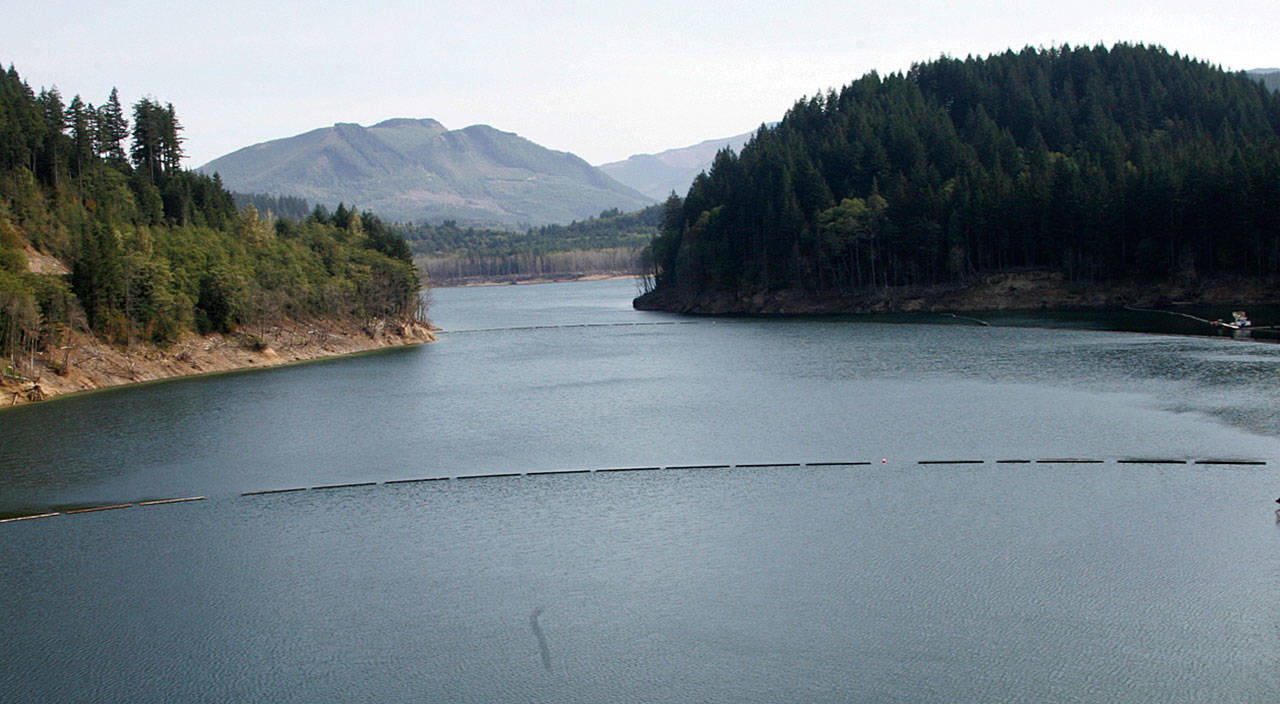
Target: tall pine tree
111	129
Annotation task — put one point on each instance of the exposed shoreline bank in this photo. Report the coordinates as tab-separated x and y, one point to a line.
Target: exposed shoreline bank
88	364
1023	290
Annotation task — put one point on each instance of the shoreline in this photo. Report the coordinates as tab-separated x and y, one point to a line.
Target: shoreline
91	365
1006	291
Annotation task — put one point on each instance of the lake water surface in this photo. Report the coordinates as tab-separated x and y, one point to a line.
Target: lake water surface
894	580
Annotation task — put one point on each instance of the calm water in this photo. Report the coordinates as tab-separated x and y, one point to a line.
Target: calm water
892	581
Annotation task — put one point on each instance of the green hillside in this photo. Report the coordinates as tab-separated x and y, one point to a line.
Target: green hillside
154	251
1097	164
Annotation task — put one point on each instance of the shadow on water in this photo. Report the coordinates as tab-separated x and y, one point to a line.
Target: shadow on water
543	650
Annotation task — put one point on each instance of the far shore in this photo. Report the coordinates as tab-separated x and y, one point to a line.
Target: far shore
517	280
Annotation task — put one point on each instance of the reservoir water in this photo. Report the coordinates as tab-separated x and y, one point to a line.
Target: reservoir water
895	579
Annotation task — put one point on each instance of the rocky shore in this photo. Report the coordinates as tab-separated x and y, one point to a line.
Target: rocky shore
86	363
1021	290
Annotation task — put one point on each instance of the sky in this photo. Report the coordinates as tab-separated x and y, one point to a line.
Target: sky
601	79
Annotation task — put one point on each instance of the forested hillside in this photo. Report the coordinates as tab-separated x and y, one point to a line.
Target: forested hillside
1096	164
102	231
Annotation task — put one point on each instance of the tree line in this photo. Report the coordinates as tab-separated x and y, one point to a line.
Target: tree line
608	244
450	253
155	250
1098	163
290	207
459	269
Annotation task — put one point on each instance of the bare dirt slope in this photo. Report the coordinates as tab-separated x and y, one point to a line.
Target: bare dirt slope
86	363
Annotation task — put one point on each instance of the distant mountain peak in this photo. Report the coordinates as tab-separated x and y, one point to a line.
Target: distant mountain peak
411	169
408	122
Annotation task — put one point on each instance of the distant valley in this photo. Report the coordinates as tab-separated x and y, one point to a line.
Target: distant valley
412	170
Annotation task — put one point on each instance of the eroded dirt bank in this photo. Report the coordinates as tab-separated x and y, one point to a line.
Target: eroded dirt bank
1025	290
86	363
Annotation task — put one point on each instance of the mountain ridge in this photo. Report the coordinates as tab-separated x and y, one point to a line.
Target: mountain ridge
657	175
416	169
1269	77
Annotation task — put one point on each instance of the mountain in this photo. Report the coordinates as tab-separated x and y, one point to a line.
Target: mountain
657	175
417	170
1130	170
1270	77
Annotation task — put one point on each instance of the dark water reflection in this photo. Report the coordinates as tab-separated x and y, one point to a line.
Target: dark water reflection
893	581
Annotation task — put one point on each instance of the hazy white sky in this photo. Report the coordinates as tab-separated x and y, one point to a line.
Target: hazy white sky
598	78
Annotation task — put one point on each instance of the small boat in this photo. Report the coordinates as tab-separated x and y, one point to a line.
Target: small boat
1239	321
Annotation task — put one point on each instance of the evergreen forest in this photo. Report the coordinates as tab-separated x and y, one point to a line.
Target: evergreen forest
147	251
1099	164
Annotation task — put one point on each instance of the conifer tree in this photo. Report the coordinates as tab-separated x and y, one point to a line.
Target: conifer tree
53	142
171	139
80	120
112	129
146	150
